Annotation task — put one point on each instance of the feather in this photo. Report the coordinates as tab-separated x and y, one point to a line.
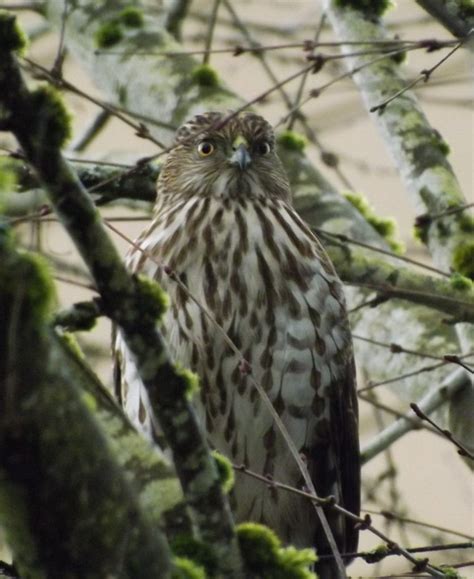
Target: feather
247	257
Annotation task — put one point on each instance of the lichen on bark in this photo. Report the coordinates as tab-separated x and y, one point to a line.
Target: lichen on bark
65	504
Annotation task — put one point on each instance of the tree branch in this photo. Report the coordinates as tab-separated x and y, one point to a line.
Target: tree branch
150	472
418	150
449	388
420	154
355	268
131	303
455	15
110	183
66	503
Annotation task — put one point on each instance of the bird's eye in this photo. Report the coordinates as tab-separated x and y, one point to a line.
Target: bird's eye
263	148
205	149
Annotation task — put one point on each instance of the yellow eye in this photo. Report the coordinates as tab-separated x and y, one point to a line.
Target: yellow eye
205	149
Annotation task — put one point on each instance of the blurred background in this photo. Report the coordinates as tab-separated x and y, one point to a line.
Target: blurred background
421	477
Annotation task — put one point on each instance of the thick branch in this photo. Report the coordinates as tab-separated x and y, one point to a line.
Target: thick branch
130	303
66	503
109	183
356	268
455	15
418	150
153	478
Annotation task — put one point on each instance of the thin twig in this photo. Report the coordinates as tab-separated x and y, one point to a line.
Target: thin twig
140	129
397	349
416	424
314	93
425	76
372	303
386	288
299	93
391	469
389	515
286	99
74	282
427	218
420	370
19	155
92	131
259	54
306	45
210	32
463	451
345	239
57	67
429	403
371	557
328	502
15	6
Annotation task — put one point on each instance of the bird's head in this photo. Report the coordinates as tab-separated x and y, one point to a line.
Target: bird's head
223	155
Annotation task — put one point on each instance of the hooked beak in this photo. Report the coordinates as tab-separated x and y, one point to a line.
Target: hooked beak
241	156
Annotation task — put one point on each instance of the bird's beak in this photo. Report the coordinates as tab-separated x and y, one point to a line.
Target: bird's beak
241	156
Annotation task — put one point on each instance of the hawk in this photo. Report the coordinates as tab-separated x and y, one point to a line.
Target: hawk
224	224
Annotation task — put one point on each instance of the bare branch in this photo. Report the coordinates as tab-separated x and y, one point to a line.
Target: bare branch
448	389
462	449
425	76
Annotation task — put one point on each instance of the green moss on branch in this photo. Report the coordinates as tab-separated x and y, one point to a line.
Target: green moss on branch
12	36
265	557
384	226
132	17
108	34
463	259
53	120
206	76
460	282
65	503
225	470
184	545
187	569
122	300
38	295
292	141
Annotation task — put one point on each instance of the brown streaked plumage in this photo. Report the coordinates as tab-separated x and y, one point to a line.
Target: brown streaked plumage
224	223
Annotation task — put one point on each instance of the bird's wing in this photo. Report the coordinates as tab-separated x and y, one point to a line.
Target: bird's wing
343	456
334	461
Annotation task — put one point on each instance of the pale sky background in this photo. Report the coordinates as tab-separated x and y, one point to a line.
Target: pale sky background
434	484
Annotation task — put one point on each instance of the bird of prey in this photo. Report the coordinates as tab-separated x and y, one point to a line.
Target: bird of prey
225	225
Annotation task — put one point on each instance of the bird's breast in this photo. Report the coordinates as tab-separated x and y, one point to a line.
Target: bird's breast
251	271
253	267
238	255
